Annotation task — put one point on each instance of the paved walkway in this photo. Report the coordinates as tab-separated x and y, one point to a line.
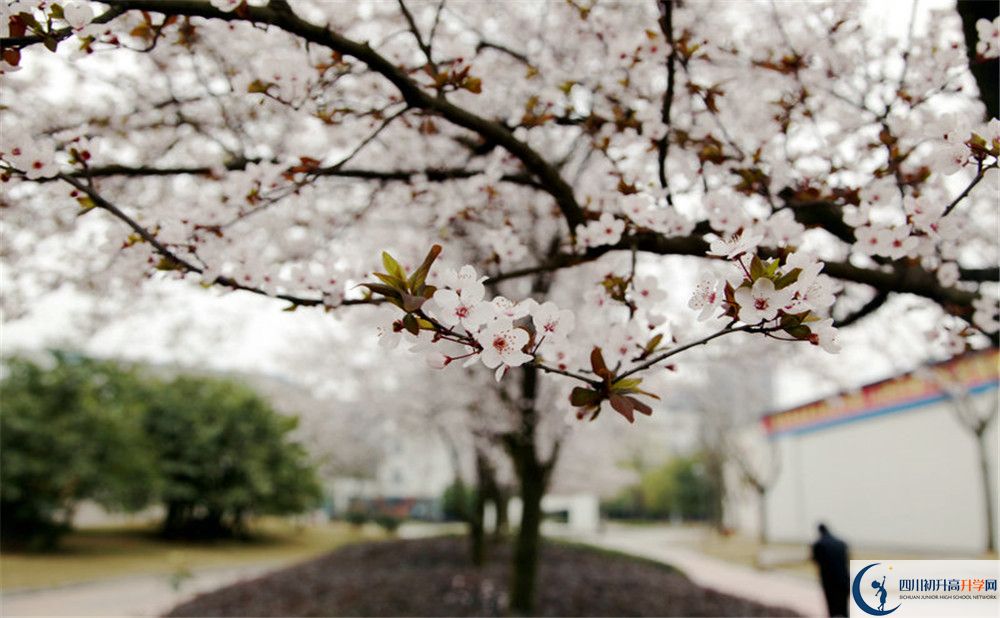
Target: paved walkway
661	544
139	595
149	595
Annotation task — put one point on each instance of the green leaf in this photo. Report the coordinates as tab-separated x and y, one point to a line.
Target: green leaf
787	279
410	324
258	87
418	277
392	267
166	263
799	332
626	384
756	268
581	397
86	205
653	344
393	282
771	269
384	290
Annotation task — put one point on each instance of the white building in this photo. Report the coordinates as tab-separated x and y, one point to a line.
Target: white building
891	466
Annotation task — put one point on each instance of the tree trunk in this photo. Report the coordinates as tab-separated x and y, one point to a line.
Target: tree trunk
522	600
477	535
984	471
533	475
984	72
500	500
762	516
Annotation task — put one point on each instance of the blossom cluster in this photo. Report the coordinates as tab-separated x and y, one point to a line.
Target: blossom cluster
789	294
463	324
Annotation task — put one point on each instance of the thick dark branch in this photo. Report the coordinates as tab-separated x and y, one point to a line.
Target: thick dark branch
441	174
547	175
904	279
985	72
979	274
663	145
869	308
177	262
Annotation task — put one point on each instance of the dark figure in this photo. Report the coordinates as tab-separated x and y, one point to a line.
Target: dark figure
830	554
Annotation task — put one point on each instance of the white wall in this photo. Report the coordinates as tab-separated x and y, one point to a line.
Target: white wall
907	480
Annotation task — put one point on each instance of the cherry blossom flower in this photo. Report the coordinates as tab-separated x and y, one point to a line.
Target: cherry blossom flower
502	346
390	335
949	158
761	302
879	193
725	213
464	279
857	216
437	360
782	229
987	313
647	292
467	308
950	337
867	240
895	242
707	296
988	33
923	212
636	207
735	245
226	5
77	14
505	308
811	290
948	274
605	231
506	245
669	222
35	158
992	133
552	322
824	335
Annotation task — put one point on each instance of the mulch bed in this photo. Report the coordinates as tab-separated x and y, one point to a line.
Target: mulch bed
433	577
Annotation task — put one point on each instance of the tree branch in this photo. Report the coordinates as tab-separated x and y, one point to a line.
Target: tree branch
867	309
547	175
179	262
663	145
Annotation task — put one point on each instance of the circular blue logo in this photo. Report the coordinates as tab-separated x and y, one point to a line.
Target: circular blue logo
878	593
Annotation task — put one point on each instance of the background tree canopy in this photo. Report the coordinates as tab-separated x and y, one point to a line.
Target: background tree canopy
211	451
221	454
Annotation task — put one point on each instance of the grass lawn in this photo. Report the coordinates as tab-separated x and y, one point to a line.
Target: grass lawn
87	555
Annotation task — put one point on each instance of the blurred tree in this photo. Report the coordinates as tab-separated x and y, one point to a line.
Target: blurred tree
68	432
681	488
223	454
